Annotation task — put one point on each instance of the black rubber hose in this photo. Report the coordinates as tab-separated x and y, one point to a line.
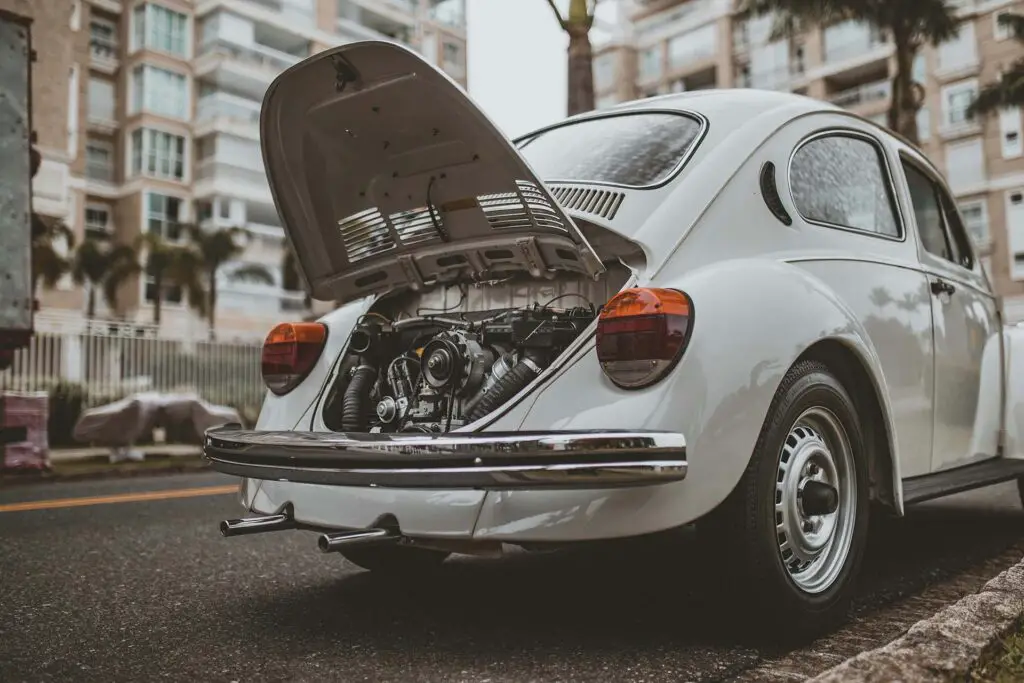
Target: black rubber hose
355	407
510	384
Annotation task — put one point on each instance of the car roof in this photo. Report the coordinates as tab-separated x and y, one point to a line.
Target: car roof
733	106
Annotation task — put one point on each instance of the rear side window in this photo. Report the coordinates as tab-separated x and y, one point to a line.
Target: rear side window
841	180
635	150
939	225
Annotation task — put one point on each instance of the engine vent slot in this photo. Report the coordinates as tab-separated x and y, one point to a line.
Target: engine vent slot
524	209
365	234
601	203
415	227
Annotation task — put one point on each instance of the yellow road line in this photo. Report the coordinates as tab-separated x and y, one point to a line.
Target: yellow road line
120	498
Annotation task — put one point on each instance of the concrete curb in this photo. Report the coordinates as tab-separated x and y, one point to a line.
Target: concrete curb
946	646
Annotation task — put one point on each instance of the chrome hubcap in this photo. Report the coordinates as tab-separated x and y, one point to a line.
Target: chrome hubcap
814	538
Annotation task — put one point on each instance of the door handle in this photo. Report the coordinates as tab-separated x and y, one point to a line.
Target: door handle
942	287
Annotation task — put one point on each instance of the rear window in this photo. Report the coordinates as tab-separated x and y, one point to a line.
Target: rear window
635	150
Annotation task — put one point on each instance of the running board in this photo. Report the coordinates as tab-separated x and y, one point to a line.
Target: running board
949	482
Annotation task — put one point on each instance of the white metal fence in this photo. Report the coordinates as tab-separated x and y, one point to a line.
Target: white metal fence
108	361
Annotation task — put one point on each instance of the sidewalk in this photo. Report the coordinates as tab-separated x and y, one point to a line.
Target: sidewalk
65	455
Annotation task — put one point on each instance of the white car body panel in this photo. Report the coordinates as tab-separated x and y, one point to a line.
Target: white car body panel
764	293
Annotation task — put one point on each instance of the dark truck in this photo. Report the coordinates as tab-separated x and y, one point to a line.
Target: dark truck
20	163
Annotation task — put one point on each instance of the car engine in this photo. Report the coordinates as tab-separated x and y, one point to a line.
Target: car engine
434	373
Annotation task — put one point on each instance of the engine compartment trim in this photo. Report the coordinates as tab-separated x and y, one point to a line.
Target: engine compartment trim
483	460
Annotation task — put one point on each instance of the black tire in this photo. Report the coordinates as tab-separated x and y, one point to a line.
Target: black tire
744	528
395	560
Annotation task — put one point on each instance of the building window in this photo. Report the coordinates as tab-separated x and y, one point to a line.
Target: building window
73	112
163	215
975	215
99	161
956	99
693	46
920	70
924	124
157	28
159	91
965	165
1010	133
1015	232
1000	30
103	39
960	52
839	180
850	39
101	100
604	71
97	221
650	63
158	154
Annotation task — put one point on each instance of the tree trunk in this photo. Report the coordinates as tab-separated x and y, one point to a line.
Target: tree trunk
211	303
581	69
90	310
158	285
904	102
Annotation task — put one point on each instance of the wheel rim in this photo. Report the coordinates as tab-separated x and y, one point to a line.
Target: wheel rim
814	547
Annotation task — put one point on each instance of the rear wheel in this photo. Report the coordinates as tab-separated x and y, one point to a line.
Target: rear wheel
795	526
395	559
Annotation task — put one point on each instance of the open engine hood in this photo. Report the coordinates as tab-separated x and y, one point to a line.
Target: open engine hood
360	141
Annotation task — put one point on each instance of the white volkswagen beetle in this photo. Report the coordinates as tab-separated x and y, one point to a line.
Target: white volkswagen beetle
745	309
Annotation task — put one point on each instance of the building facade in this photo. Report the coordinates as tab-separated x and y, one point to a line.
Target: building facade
678	45
147	119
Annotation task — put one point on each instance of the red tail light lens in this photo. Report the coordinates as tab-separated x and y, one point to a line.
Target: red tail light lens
290	352
642	333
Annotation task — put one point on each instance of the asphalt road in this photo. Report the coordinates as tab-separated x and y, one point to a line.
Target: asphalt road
148	590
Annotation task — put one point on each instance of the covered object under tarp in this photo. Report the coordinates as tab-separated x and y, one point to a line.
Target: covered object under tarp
125	422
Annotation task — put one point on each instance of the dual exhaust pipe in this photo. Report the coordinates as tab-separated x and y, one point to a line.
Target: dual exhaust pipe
330	542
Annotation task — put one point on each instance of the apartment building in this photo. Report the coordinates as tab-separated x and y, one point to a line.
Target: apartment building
147	113
678	45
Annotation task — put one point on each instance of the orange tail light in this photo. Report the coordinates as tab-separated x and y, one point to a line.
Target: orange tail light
642	333
289	353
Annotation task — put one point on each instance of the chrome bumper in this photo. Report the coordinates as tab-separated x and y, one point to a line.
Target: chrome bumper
478	460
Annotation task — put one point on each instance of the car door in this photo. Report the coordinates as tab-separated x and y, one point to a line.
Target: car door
965	321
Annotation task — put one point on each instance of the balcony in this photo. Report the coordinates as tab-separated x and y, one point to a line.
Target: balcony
862	94
217	177
450	13
245	68
226	113
300	13
103	55
779	78
851	56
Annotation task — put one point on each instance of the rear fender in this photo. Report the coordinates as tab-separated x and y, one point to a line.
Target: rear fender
295	410
744	341
1013	336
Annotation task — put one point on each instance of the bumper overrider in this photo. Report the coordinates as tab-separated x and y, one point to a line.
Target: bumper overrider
476	460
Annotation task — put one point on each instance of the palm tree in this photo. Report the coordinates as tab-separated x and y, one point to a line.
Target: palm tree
909	23
581	55
1008	91
48	265
103	265
173	265
214	248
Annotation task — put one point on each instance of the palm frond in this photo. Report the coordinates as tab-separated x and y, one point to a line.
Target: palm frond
1002	94
927	21
48	266
1015	22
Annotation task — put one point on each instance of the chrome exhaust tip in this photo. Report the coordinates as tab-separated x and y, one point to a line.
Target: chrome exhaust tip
256	525
337	540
